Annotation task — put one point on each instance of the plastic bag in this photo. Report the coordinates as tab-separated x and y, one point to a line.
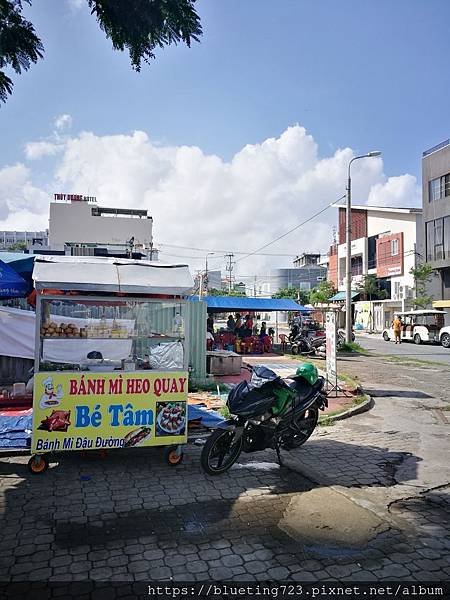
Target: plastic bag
167	356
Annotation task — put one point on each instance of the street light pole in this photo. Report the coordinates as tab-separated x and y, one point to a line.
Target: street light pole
348	242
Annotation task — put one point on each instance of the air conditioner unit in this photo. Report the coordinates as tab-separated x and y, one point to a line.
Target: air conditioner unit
319	278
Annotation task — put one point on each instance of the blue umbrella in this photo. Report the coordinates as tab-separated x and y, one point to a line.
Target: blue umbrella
12	285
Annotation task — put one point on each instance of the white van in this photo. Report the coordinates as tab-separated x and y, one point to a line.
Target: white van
420	326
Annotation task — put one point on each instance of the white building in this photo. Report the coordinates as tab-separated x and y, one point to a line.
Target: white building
386	242
78	226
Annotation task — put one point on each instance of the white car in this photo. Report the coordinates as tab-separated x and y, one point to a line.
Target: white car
421	326
444	336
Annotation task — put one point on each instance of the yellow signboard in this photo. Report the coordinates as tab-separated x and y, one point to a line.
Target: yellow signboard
93	411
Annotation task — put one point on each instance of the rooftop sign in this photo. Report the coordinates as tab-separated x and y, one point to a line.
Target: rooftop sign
74	198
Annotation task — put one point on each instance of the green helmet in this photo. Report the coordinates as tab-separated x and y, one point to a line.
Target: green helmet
309	372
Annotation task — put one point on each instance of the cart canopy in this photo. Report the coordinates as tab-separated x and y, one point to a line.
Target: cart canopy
112	275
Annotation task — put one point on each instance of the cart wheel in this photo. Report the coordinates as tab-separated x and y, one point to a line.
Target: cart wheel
173	456
38	463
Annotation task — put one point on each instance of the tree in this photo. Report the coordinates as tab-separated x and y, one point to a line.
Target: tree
322	293
292	293
422	274
18	247
138	26
370	288
19	44
216	292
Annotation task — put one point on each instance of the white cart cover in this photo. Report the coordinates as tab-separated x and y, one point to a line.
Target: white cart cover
85	273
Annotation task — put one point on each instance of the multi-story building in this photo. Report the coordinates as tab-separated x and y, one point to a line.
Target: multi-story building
79	226
386	242
21	240
436	217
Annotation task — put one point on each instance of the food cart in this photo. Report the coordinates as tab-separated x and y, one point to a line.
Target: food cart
111	362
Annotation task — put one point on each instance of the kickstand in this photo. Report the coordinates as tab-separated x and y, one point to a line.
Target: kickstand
280	462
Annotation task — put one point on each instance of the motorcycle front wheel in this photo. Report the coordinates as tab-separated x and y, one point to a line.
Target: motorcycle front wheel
220	452
304	426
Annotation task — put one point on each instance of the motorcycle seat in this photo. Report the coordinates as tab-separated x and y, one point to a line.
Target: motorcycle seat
303	389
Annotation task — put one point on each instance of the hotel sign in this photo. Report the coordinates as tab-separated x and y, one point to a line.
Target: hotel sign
74	197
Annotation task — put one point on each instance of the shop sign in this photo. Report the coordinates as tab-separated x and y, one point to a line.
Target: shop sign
92	411
330	330
75	197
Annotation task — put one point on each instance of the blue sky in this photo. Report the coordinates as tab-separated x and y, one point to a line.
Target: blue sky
355	74
359	74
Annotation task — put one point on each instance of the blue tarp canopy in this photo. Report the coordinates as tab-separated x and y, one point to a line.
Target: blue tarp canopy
340	296
22	264
244	303
12	285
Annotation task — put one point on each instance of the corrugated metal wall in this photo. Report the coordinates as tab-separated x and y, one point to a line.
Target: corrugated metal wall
14	370
196	333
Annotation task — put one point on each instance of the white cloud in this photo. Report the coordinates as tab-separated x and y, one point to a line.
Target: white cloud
21	203
63	122
36	150
76	5
202	201
396	191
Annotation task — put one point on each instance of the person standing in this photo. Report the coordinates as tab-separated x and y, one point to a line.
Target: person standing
397	327
210	323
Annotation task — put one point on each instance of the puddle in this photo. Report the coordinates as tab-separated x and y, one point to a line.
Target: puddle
326	519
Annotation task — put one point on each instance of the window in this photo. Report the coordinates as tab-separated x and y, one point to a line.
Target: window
438	239
435	189
446	237
439	188
397	289
429	236
394	247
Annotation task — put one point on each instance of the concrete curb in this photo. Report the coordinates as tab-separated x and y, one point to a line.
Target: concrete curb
351	412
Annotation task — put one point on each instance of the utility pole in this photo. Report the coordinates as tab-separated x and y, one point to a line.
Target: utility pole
254	287
229	268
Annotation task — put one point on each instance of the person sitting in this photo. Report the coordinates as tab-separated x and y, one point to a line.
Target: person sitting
248	325
239	328
263	330
231	323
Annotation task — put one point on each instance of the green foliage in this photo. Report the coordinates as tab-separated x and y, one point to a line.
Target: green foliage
351	347
234	293
18	247
19	44
141	26
371	289
293	294
138	26
422	274
322	293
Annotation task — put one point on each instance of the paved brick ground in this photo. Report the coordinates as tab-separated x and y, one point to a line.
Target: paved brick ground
131	518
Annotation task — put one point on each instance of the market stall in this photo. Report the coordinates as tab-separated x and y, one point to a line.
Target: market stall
111	360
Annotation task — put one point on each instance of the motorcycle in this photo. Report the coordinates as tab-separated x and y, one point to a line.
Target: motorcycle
267	412
340	340
307	345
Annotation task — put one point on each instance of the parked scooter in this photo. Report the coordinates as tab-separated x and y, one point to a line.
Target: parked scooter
267	412
340	340
306	345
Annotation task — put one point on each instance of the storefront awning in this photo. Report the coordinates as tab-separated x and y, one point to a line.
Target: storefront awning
340	296
441	304
244	303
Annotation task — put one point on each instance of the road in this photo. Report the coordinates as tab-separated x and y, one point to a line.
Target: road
367	499
376	344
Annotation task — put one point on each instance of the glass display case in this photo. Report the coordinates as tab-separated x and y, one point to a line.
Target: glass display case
110	333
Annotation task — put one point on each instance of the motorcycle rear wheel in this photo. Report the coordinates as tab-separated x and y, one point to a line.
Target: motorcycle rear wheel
306	422
220	446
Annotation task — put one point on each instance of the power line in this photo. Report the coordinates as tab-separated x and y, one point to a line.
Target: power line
291	230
